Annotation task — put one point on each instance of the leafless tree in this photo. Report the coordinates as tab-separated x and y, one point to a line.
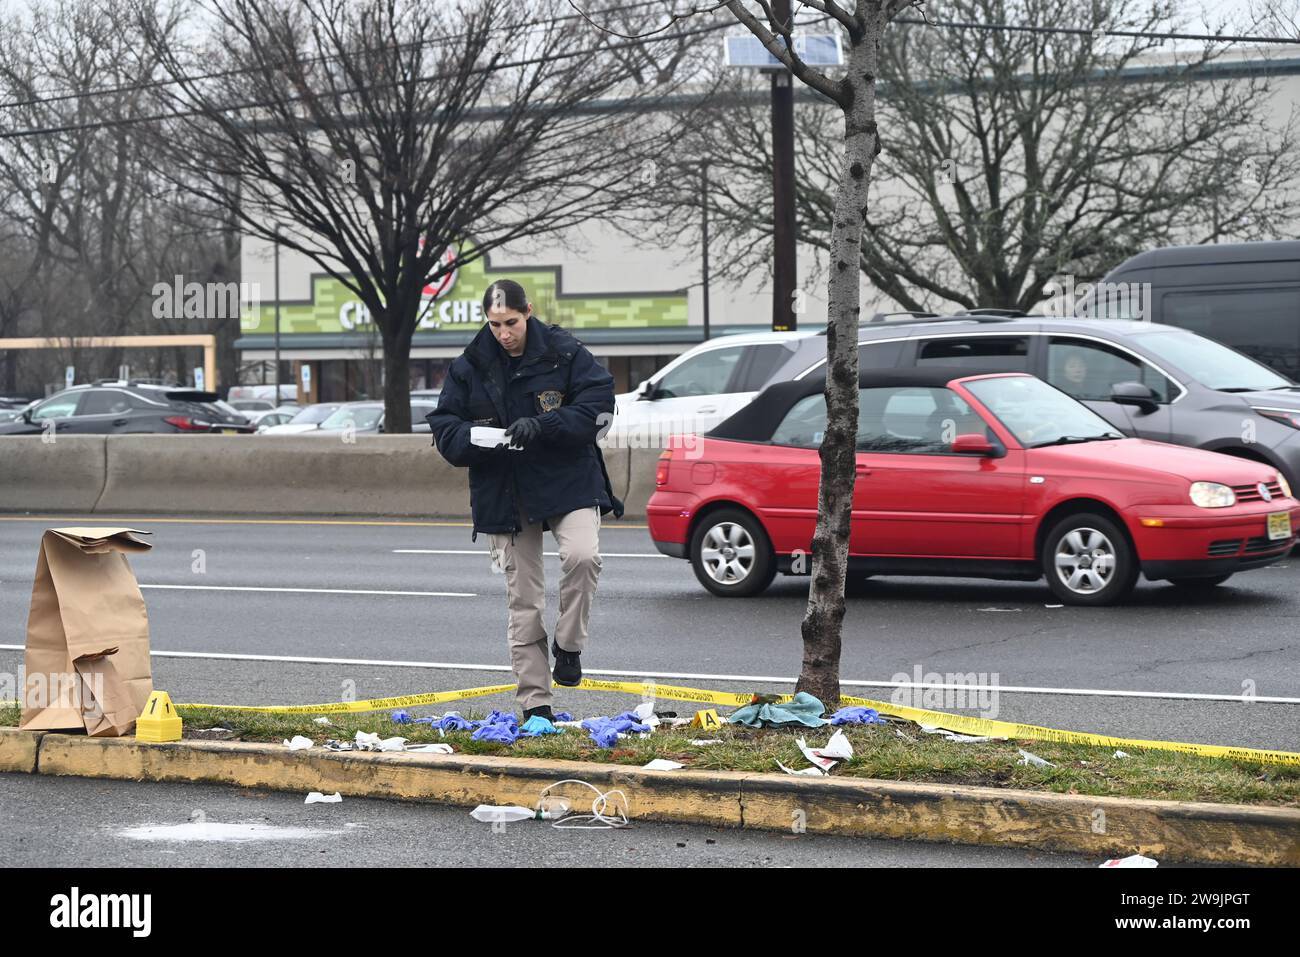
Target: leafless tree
374	135
1013	156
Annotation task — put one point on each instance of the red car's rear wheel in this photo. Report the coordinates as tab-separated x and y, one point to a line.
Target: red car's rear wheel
731	554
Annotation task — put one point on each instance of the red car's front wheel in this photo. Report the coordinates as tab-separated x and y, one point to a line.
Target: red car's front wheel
1088	560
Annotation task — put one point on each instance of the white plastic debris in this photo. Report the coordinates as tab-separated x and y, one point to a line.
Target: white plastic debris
366	741
810	772
662	764
1121	754
1035	760
700	742
958	738
1133	860
822	764
838	747
299	743
324	721
501	814
315	797
431	748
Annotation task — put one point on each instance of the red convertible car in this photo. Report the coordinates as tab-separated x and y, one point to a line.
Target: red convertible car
973	475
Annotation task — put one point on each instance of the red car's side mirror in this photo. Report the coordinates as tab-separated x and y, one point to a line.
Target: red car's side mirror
972	444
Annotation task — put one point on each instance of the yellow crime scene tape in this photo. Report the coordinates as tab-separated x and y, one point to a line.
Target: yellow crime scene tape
960	724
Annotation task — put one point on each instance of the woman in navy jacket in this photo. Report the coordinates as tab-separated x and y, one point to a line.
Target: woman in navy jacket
554	400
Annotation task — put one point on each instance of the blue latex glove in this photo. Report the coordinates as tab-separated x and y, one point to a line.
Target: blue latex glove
501	733
857	715
563	716
400	717
454	722
629	721
498	717
537	725
604	731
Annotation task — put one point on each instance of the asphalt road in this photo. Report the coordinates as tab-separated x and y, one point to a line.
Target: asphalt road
129	824
651	617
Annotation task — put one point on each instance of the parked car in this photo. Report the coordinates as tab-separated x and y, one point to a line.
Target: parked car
262	421
251	408
995	476
127	407
702	386
1245	295
302	420
367	418
1148	380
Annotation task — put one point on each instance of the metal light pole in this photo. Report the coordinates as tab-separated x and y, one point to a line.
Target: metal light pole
704	205
277	319
783	220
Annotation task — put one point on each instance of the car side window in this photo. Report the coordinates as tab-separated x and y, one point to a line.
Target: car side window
804	426
912	419
104	402
891	419
58	407
705	374
986	353
760	362
1259	322
1091	370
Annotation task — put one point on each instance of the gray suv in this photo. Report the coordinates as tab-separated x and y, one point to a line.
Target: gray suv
1150	381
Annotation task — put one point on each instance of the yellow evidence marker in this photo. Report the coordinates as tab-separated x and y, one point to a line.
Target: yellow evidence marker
158	722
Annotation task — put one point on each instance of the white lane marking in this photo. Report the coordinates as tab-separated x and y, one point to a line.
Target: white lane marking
765	679
476	551
319	591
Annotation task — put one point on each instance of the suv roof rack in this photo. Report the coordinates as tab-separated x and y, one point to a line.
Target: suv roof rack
995	312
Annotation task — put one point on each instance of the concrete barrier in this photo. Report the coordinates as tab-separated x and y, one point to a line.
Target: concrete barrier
642	464
37	474
314	475
399	475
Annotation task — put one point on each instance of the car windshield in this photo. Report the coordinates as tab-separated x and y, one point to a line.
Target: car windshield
1210	363
359	417
1037	414
313	414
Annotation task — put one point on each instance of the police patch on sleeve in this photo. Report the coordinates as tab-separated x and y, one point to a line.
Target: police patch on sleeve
550	400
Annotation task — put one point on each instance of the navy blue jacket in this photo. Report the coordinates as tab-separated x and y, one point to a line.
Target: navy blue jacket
571	395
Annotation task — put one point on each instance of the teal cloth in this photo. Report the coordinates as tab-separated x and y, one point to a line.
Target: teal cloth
537	725
804	709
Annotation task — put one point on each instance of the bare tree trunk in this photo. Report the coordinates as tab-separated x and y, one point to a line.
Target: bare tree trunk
824	616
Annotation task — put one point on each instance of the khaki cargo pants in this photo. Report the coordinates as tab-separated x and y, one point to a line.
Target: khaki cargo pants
577	535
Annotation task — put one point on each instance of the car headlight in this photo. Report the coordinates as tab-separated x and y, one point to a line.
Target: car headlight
1286	486
1212	495
1285	416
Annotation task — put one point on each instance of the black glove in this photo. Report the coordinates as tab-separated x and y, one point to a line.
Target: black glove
524	432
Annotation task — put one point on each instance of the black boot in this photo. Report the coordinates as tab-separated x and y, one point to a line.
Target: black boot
544	711
568	666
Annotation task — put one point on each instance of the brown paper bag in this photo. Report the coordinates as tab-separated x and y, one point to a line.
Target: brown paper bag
87	657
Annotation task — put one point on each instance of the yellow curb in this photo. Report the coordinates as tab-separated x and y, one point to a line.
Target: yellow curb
858	807
18	750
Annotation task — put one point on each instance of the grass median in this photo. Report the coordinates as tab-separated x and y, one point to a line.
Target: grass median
894	752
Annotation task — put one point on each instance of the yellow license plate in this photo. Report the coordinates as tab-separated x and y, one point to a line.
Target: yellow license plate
1279	525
